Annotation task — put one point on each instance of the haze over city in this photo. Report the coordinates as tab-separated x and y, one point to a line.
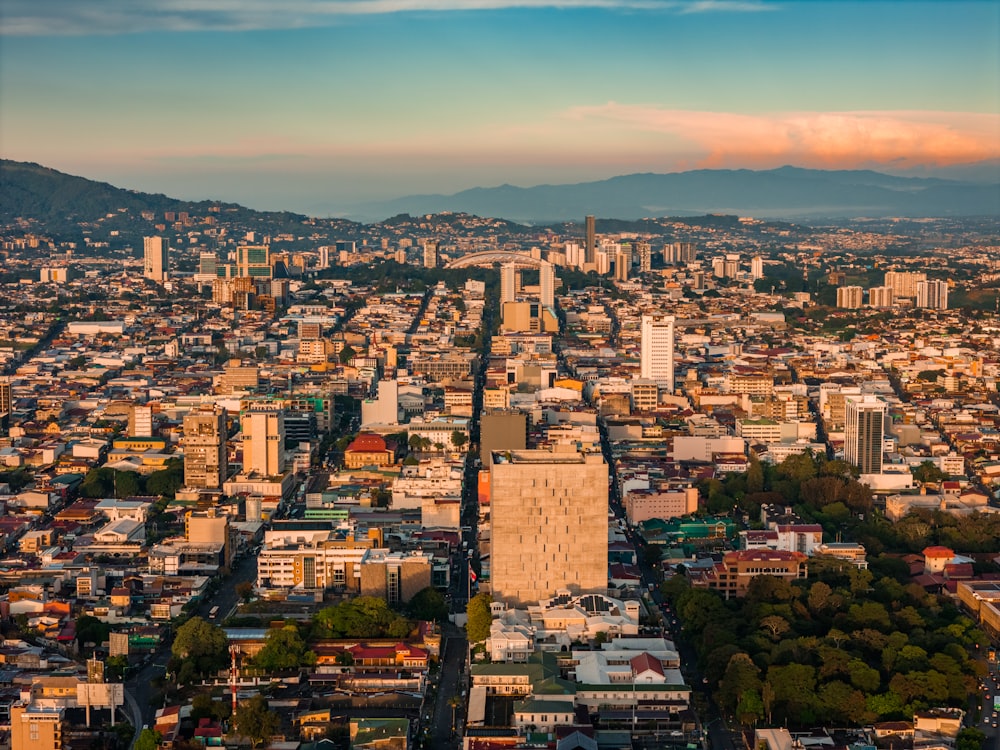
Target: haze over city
317	106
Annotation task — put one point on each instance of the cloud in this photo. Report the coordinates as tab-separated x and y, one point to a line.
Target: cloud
108	17
819	139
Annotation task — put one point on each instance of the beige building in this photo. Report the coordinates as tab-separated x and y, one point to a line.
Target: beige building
642	505
263	442
395	576
205	463
35	728
549	524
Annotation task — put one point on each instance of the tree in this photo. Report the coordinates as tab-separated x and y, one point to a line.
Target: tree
775	626
114	667
284	649
91	630
477	627
255	721
127	483
202	647
928	471
428	604
970	738
244	590
149	739
742	676
347	354
459	439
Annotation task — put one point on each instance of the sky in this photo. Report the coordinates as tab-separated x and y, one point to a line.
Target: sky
320	105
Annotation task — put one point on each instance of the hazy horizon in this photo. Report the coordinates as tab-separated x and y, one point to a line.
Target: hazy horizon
319	104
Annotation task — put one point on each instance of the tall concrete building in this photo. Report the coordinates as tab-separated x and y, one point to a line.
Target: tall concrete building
502	431
656	356
547	284
263	442
6	401
880	296
36	727
904	283
430	254
849	297
324	257
254	261
864	429
508	283
205	462
644	252
140	420
590	244
932	294
549	514
154	258
756	267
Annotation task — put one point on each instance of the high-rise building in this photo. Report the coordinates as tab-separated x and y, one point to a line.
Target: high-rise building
430	254
324	257
864	429
644	252
508	283
904	283
6	400
621	267
590	243
502	431
880	296
932	294
656	356
849	297
263	442
678	253
205	462
154	255
547	284
756	267
140	421
254	261
549	524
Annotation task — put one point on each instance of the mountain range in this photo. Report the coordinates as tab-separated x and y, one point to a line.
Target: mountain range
784	193
31	191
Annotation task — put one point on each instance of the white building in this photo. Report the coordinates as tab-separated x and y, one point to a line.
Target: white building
657	350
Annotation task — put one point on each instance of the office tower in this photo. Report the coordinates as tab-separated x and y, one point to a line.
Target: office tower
547	284
904	283
575	255
254	261
324	257
719	268
154	254
621	267
864	418
347	246
205	463
263	442
656	357
756	267
880	296
602	263
849	297
140	421
430	254
932	294
590	244
678	253
508	283
208	264
549	524
644	252
731	266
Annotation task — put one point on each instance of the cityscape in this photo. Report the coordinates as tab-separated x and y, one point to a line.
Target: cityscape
499	375
448	481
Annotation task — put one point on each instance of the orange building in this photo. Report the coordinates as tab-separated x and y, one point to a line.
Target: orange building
367	449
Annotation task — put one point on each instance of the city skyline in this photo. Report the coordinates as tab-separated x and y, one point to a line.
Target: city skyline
328	104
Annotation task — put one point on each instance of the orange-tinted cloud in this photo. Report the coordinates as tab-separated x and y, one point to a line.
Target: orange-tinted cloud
819	139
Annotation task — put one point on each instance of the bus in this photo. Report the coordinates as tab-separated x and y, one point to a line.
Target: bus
213	613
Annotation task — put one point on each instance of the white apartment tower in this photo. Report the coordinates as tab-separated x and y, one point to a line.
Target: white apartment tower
430	254
508	283
154	255
932	294
849	297
756	267
547	284
864	429
656	358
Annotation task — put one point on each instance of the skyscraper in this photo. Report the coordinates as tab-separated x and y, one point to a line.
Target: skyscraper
932	294
656	356
645	254
549	524
864	428
508	283
263	442
756	267
254	261
546	284
205	463
430	254
154	254
590	245
849	297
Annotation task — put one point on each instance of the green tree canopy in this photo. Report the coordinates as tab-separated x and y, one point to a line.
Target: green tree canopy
428	604
477	627
201	649
284	649
255	721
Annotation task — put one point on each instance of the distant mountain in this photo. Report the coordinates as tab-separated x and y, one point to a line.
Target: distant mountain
784	193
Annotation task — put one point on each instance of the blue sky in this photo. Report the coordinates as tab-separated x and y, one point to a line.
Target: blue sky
315	105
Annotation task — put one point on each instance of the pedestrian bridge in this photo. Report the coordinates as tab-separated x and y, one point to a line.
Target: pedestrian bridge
503	257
